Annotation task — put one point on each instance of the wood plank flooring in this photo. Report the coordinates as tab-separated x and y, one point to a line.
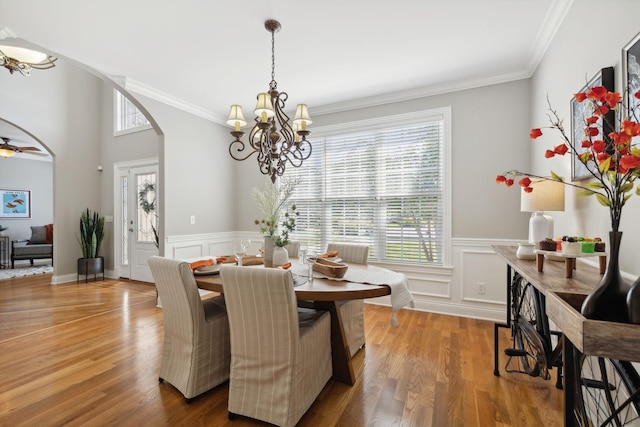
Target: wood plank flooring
89	354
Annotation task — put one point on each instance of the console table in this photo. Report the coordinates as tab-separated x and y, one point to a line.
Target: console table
4	251
551	282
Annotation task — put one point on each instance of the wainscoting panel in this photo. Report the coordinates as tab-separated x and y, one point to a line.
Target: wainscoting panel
473	285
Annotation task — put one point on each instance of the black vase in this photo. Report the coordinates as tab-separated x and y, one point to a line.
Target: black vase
633	302
608	301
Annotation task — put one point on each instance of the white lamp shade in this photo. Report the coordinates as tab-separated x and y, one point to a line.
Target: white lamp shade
7	153
236	116
264	105
20	54
302	115
547	195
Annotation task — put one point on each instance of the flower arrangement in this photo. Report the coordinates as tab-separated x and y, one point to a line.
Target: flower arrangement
613	160
271	201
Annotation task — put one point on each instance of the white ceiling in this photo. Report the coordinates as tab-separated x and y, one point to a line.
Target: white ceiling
208	54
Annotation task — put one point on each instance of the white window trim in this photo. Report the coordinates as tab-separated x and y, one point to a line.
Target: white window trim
443	113
116	117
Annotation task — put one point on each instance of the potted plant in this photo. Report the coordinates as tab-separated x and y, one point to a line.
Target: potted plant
271	201
91	235
2	229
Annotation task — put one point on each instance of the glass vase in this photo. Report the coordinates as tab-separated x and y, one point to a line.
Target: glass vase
608	301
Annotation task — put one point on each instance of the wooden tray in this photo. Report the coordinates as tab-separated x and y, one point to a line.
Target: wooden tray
595	337
330	268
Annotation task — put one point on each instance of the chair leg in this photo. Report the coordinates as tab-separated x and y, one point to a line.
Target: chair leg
188	400
160	380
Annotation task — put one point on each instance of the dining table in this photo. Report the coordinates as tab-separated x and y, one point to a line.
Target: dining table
326	294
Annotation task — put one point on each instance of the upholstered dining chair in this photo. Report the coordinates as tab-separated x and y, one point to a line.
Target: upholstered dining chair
280	354
196	354
352	311
293	248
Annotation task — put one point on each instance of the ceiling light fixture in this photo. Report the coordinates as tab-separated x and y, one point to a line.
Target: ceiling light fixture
23	60
272	137
6	153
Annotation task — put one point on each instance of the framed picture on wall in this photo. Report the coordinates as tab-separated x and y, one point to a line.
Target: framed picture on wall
631	72
15	204
580	111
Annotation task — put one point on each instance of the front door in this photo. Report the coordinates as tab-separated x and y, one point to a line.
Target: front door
137	219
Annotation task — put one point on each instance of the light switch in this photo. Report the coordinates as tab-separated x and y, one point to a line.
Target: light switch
192	220
108	218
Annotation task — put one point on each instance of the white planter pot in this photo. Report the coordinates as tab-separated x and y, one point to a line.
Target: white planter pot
280	256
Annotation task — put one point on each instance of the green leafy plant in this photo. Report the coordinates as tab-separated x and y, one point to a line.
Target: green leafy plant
91	233
3	228
272	200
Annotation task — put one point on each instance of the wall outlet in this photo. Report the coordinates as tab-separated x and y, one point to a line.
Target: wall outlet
482	288
192	219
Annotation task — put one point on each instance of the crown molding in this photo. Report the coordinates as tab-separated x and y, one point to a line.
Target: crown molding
7	33
556	14
140	88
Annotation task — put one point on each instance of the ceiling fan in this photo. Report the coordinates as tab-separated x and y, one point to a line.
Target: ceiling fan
9	150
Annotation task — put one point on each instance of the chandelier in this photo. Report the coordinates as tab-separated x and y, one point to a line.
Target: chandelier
272	138
23	60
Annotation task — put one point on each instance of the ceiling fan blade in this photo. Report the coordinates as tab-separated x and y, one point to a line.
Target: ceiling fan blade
27	148
36	154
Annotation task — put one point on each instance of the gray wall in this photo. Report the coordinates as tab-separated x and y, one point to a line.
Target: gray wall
490	127
37	177
61	108
131	146
576	54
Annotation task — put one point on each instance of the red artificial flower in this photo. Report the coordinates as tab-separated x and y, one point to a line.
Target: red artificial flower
509	182
528	189
600	110
549	154
630	161
535	133
500	179
612	99
591	131
561	149
637	95
580	96
598	146
586	144
598	93
602	157
525	182
630	128
591	120
620	138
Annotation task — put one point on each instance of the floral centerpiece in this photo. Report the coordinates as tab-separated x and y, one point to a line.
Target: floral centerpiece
613	161
272	201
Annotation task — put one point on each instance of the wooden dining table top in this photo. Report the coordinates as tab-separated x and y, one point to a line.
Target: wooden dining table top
317	289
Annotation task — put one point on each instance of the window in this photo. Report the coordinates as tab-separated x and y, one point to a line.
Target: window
128	117
380	183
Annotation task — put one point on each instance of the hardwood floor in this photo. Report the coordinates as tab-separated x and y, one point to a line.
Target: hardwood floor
89	354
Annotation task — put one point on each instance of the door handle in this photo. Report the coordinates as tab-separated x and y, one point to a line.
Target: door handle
131	230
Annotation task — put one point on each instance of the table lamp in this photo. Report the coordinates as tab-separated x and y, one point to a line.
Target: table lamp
547	195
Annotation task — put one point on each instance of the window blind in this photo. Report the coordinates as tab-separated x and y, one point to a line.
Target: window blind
382	187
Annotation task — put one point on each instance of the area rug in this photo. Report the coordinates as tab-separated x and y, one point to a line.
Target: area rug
25	271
